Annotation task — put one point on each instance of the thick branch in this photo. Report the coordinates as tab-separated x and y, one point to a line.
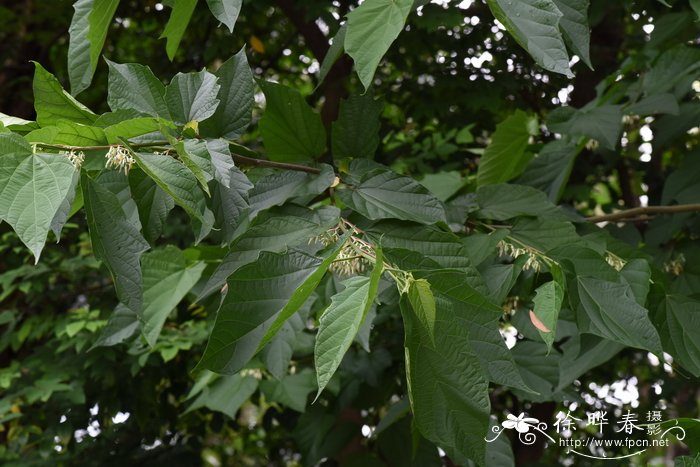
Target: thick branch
635	213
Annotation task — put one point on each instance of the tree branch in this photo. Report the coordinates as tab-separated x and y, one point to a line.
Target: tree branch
634	214
275	165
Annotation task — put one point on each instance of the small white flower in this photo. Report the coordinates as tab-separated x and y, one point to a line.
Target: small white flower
521	423
118	157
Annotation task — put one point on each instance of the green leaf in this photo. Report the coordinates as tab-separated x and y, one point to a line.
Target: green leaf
454	295
177	23
544	234
548	300
303	292
443	185
71	134
226	394
167	278
505	201
695	5
604	124
226	11
505	158
549	171
195	155
257	294
423	303
133	127
52	103
665	103
275	232
134	87
583	352
291	131
292	391
230	205
448	393
192	96
88	31
32	189
236	97
280	187
356	132
177	181
670	68
279	351
115	241
17	124
535	26
66	208
539	368
613	313
122	324
222	164
153	204
574	26
372	27
335	51
678	320
638	275
341	321
383	194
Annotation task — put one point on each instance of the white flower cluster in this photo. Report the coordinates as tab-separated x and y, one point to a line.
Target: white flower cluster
675	266
75	157
508	249
615	261
118	157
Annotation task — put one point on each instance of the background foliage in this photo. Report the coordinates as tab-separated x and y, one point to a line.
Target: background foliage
319	221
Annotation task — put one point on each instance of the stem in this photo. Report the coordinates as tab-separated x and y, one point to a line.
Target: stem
630	214
159	145
275	165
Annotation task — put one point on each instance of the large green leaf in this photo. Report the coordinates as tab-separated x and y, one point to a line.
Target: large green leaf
356	132
115	241
177	23
273	231
445	248
121	325
192	96
258	293
226	11
167	278
448	392
550	169
604	124
230	204
372	27
177	181
88	31
548	300
505	158
291	131
134	87
236	97
32	189
195	155
506	201
153	204
291	391
222	163
613	313
279	187
540	369
454	295
423	303
226	394
303	292
52	103
383	194
583	352
678	320
69	133
574	26
535	26
341	321
335	51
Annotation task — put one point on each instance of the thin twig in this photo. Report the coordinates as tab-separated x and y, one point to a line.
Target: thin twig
65	147
629	214
275	165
